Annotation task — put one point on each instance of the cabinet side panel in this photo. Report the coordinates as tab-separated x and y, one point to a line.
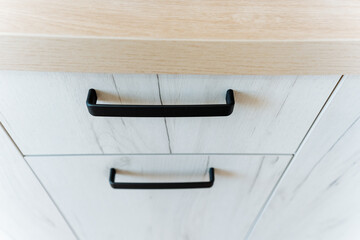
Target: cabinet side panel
26	211
319	195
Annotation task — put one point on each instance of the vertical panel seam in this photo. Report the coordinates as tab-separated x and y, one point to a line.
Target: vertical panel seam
39	181
308	133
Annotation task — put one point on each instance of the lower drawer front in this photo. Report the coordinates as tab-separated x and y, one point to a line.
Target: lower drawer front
80	187
46	113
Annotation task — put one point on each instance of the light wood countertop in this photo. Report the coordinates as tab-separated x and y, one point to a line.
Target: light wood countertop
181	36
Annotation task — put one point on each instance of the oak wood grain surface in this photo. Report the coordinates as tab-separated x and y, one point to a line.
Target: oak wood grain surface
200	37
26	211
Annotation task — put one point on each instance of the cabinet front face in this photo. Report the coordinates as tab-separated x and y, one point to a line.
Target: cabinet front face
80	187
46	112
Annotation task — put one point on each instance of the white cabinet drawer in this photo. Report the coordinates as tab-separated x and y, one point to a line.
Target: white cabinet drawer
80	187
46	112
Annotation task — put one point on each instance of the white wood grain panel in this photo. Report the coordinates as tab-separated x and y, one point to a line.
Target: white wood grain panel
319	197
112	55
46	113
26	211
79	185
271	115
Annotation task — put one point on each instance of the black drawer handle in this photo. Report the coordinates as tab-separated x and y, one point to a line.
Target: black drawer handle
160	185
111	110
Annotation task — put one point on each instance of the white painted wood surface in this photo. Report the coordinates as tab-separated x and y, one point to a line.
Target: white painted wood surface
80	187
26	211
46	113
319	197
272	113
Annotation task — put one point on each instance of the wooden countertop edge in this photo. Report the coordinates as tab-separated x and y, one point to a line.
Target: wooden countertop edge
115	55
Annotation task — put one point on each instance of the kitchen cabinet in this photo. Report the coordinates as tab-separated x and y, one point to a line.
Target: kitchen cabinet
73	151
285	155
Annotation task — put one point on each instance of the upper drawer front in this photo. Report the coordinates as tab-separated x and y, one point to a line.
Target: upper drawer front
46	112
80	187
